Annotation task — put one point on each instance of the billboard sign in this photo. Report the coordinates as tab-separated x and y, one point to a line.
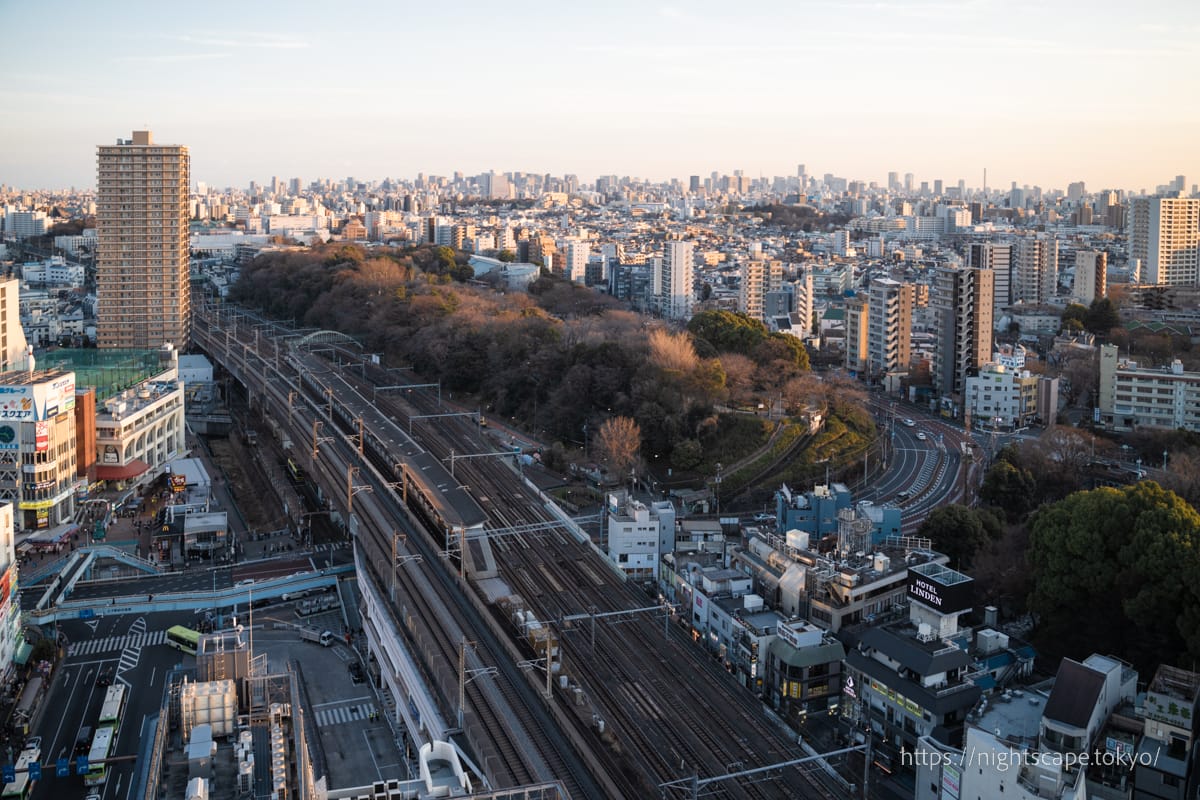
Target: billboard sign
16	403
942	597
41	435
951	780
9	440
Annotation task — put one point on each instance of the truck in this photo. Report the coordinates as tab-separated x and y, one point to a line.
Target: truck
323	638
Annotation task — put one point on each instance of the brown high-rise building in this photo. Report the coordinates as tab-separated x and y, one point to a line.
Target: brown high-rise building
962	301
143	294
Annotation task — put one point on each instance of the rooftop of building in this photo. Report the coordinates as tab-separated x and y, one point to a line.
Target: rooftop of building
26	378
109	371
1175	683
1013	716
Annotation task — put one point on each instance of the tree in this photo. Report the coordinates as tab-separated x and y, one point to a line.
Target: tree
1008	488
1102	316
507	256
1118	571
620	441
686	454
957	531
1074	317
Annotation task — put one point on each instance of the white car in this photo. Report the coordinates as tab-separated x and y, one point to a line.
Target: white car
908	423
921	435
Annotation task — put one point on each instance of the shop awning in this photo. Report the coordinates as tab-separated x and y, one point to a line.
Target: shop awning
112	472
22	654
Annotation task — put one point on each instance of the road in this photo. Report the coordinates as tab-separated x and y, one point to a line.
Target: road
75	699
923	474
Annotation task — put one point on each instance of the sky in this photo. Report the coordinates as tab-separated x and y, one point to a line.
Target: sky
1042	93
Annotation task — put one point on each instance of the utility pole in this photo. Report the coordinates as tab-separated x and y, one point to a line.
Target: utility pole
315	449
395	537
361	436
866	783
462	680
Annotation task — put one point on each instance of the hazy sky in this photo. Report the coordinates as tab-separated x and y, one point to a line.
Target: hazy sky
1042	92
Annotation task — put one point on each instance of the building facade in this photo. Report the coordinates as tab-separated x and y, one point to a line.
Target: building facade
1164	236
141	429
1132	396
37	446
889	326
10	606
674	276
1091	276
142	286
962	301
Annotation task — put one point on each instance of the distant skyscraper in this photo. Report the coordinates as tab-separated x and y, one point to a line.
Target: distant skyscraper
575	264
694	184
937	187
1164	235
962	305
1091	276
142	288
893	181
908	182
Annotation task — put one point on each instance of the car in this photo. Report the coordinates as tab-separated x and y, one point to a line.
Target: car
246	582
356	672
34	743
93	796
104	677
921	435
83	740
764	517
908	423
903	496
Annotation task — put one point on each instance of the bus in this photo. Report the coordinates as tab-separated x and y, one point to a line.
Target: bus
113	708
102	745
21	786
184	639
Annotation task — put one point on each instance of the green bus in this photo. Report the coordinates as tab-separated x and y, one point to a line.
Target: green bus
184	639
113	708
21	785
102	745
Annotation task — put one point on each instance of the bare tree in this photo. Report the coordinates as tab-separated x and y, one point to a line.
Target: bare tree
672	351
620	440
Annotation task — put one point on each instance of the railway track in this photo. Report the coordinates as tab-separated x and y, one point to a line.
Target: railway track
673	735
502	722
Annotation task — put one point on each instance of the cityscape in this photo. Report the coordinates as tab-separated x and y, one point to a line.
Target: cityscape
361	440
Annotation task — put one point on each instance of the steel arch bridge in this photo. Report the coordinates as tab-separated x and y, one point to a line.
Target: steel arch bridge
327	337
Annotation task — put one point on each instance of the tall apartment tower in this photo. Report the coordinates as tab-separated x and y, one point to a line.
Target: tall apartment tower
962	304
674	278
998	258
758	276
1164	235
858	318
889	326
1035	270
1091	276
142	289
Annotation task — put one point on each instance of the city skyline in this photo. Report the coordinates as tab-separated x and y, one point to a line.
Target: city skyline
942	90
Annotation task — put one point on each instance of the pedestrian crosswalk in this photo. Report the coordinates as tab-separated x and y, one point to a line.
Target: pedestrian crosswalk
343	714
110	643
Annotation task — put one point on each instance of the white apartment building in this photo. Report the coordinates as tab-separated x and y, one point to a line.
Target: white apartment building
674	280
141	429
574	266
1001	397
998	258
25	224
53	271
1133	396
639	535
1164	236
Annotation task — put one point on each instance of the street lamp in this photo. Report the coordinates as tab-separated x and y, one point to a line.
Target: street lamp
1164	460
